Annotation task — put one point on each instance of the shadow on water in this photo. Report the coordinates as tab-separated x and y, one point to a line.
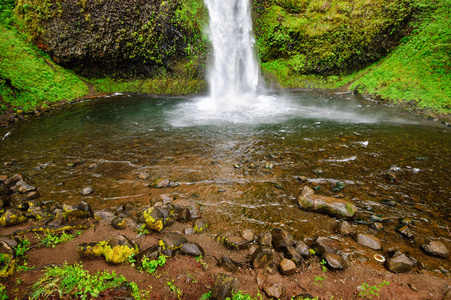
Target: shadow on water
245	173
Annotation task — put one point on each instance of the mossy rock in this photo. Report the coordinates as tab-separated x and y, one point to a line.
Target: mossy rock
173	241
12	217
7	264
91	250
79	211
153	218
118	249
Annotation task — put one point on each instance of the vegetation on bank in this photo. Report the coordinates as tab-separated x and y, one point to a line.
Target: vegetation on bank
329	44
28	77
396	49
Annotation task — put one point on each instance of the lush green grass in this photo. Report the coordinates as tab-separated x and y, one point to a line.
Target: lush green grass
419	70
28	77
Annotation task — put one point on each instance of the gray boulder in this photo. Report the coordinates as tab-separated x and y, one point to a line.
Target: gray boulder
436	248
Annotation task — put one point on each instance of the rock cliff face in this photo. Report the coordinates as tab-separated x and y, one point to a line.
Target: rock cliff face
126	38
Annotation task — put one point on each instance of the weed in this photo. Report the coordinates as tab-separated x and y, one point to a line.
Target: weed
131	259
175	289
51	240
151	266
137	293
22	247
24	267
203	264
143	230
74	281
3	295
319	280
312	251
367	291
323	264
205	296
243	296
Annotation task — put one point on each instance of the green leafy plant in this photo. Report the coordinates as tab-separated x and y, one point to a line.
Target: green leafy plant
3	295
150	266
51	240
24	267
205	296
74	281
143	230
319	280
243	296
137	293
323	265
367	291
22	247
203	264
175	289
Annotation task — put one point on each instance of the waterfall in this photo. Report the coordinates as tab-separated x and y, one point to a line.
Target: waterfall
235	71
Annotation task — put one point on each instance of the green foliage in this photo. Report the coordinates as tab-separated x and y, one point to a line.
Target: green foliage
29	78
202	262
51	240
243	296
24	267
164	86
323	264
420	69
319	280
205	296
175	289
3	295
22	247
74	281
367	291
7	17
151	266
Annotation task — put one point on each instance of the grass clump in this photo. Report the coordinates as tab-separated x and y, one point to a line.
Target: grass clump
74	281
51	239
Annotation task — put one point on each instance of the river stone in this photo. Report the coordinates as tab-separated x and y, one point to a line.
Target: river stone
327	205
379	218
248	235
377	226
335	261
303	249
405	231
143	176
166	198
59	220
5	200
273	291
173	241
399	264
236	243
344	228
81	210
104	215
200	226
368	240
151	253
87	191
436	248
406	221
192	249
225	286
38	213
168	212
12	217
262	257
32	195
7	245
160	183
265	238
119	223
119	248
323	245
153	218
281	239
293	254
287	267
227	264
180	205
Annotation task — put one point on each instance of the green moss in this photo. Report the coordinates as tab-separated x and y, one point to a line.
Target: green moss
7	265
28	77
118	254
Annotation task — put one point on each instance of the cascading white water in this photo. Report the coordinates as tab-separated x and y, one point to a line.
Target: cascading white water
236	95
235	69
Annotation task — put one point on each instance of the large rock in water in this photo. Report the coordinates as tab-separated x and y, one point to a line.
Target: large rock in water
326	205
436	248
368	240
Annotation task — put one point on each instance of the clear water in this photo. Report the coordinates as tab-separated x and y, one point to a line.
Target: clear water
351	140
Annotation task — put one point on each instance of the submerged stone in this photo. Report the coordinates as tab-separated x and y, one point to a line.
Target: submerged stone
344	228
405	231
436	248
368	240
160	183
327	205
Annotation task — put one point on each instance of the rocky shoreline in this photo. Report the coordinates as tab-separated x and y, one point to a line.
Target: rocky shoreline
270	262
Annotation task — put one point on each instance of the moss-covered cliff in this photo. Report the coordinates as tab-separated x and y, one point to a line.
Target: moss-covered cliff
396	49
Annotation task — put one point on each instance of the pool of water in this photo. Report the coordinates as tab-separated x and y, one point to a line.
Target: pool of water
242	165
